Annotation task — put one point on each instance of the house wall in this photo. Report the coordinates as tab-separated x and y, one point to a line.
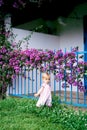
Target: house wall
38	40
70	32
71	35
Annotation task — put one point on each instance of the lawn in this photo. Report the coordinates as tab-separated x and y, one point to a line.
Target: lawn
22	114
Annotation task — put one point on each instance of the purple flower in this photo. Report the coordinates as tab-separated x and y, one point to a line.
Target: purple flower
13	76
15	5
1	2
1	62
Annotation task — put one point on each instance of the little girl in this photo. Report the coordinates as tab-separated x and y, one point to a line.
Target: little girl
44	92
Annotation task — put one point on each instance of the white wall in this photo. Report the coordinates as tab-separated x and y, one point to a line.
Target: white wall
72	34
38	40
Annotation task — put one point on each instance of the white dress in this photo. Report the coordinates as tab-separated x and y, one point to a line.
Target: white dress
45	96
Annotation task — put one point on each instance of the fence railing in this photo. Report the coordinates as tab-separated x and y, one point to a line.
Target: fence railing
28	82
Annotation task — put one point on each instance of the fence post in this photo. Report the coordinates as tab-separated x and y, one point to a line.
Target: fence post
24	80
71	84
36	80
77	93
32	80
28	81
65	80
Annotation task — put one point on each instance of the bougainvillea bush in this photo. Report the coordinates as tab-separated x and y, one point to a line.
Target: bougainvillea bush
5	69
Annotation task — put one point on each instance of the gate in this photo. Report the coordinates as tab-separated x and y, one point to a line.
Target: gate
28	82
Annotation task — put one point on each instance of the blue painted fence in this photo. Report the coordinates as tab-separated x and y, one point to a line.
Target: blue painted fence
28	82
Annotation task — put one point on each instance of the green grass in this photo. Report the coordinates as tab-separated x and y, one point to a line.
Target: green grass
22	114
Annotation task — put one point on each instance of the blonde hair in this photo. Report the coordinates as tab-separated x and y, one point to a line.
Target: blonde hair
45	75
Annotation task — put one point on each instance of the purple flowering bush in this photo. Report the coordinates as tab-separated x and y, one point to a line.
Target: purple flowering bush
65	67
5	69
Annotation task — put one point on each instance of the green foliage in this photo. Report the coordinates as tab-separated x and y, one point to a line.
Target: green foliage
22	114
4	42
5	70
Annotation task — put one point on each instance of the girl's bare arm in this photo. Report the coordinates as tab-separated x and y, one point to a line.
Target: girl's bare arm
39	92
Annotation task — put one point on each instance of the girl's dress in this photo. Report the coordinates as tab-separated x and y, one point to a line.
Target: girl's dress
45	96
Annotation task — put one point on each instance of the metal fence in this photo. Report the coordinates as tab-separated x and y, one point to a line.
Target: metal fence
28	82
